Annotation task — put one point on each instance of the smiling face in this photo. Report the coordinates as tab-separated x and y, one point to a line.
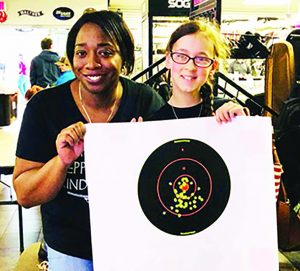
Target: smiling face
187	79
97	62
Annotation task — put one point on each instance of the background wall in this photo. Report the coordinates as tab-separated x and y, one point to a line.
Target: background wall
43	11
23	33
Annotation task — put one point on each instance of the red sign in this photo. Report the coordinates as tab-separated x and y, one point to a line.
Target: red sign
3	16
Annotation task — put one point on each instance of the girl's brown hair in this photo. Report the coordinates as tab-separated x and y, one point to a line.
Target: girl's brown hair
211	30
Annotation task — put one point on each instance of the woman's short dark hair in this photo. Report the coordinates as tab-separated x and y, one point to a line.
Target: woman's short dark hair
114	27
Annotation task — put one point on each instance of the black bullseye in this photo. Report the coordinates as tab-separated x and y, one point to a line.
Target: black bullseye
184	187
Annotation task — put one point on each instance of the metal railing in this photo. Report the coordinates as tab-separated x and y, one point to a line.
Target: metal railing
228	82
239	90
149	70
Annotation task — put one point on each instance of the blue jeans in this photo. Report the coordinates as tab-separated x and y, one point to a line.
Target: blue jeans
62	262
23	84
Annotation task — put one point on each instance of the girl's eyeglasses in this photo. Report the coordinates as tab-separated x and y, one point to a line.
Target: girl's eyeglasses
199	61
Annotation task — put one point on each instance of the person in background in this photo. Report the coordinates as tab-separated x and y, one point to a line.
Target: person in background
50	166
23	81
43	70
32	91
193	54
66	71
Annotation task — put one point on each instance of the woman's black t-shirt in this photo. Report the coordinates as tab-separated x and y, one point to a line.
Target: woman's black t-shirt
66	223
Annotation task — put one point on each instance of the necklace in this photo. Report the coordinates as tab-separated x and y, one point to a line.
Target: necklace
87	114
173	109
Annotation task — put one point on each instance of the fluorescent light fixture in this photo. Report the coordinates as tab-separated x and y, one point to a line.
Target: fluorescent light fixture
266	2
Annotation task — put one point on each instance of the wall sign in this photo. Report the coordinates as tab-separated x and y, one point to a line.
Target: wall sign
3	14
63	13
169	7
30	13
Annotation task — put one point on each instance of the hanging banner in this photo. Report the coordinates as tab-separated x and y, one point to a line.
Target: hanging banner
206	8
169	7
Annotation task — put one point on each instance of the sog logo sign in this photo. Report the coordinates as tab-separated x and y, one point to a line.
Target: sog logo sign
169	7
178	3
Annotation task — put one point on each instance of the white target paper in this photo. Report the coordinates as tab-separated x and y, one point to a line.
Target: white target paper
243	237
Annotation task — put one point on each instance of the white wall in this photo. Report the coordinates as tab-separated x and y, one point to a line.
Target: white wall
259	8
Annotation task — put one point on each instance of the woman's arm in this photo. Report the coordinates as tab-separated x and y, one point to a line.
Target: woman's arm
36	183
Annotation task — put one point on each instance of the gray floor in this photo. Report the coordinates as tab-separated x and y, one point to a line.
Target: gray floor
9	218
9	230
9	223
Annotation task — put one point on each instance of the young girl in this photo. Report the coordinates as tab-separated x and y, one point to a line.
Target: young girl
193	54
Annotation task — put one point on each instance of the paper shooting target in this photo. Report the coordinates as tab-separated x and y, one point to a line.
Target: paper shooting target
183	187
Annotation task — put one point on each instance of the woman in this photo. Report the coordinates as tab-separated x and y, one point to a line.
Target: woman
49	167
193	54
